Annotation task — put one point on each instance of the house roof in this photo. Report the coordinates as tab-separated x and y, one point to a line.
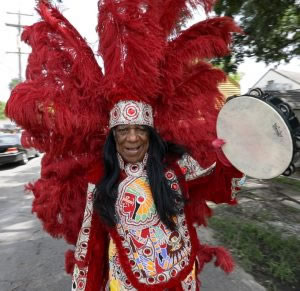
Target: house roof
293	76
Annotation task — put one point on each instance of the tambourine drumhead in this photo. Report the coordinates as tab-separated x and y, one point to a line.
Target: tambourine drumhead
258	140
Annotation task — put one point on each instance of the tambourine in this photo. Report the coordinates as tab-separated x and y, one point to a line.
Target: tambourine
262	134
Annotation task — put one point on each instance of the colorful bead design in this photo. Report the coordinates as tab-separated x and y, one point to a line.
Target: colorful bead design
80	274
131	112
191	168
156	254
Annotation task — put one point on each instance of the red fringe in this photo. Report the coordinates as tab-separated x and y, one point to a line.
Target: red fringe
69	261
223	258
97	256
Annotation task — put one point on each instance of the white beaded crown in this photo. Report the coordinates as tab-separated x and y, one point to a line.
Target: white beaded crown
131	112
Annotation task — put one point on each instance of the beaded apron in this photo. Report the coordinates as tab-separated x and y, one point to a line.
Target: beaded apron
156	254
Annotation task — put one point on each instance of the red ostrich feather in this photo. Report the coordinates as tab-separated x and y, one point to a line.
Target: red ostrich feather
64	103
59	108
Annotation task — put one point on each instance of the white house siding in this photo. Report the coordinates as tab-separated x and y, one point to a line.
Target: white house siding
273	80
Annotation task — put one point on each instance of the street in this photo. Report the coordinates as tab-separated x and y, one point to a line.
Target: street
31	260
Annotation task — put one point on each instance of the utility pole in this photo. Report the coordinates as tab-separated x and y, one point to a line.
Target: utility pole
19	26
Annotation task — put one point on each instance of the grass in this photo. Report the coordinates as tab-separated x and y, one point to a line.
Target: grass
261	250
295	184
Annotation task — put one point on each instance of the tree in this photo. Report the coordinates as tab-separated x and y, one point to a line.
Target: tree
2	106
271	29
13	83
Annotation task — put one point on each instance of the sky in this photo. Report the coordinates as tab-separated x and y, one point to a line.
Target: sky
83	15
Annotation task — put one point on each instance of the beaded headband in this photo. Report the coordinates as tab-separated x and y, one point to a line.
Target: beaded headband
131	112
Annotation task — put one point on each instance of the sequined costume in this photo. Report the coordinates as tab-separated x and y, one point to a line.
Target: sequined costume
155	74
142	253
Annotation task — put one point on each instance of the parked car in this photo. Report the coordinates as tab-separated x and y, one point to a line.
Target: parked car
9	128
12	151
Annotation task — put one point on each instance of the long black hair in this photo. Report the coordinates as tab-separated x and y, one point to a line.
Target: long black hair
168	203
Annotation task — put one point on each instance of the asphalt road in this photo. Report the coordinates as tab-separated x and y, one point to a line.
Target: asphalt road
31	260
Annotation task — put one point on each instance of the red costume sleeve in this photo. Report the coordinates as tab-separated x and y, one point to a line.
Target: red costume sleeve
216	183
217	186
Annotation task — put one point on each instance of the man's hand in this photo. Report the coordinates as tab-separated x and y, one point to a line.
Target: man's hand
217	144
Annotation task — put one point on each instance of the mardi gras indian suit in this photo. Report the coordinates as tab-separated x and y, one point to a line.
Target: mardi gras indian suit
141	253
154	73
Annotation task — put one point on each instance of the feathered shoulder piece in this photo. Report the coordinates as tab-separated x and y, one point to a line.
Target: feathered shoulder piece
65	101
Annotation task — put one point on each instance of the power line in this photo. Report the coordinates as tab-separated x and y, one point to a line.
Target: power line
19	26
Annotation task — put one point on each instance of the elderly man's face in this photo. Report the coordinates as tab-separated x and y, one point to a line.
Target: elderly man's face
132	142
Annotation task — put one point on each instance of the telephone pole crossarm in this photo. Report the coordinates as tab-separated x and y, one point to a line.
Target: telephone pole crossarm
17	13
18	53
19	26
15	25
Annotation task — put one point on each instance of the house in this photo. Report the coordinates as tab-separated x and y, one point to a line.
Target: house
230	88
278	80
282	84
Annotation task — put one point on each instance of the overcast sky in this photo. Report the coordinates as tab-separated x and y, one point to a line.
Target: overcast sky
83	15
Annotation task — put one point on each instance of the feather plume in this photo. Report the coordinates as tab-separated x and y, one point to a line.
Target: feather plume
179	11
131	46
190	86
53	105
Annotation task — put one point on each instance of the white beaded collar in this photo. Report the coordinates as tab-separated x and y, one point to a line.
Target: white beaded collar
136	169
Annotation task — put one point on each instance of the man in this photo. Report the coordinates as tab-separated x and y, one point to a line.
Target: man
129	162
146	203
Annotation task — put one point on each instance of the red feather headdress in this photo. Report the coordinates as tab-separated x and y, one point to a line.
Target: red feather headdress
65	101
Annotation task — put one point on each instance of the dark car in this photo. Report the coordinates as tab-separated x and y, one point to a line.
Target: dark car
12	151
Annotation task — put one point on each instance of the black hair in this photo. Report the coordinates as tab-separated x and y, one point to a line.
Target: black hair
167	201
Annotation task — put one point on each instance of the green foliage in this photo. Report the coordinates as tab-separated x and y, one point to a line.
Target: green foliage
260	249
295	184
2	107
271	33
13	83
231	73
236	76
228	63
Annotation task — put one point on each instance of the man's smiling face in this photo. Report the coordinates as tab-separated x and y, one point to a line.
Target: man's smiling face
132	142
